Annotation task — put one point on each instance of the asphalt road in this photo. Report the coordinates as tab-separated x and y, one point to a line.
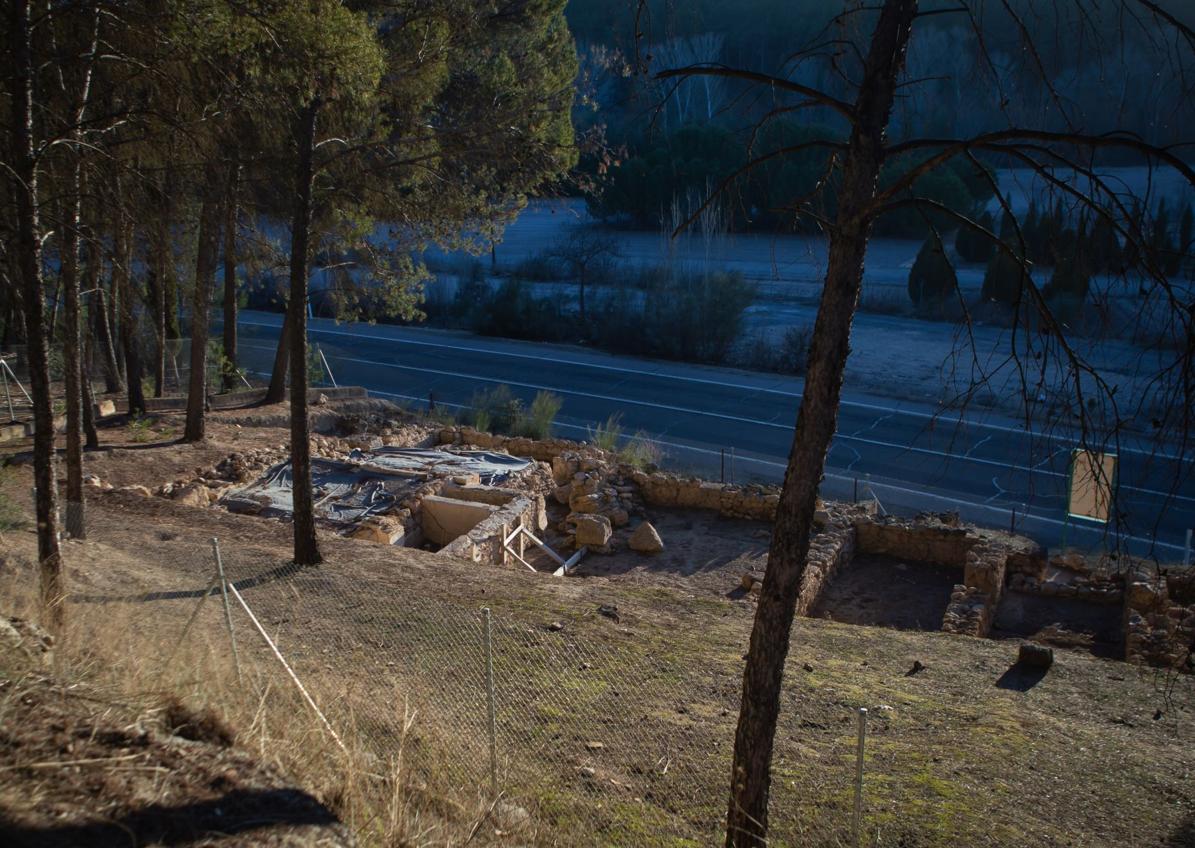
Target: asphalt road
908	457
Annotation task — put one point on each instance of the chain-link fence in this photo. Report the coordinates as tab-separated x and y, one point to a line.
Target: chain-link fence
601	724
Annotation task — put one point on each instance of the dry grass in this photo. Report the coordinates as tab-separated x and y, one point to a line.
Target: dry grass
388	641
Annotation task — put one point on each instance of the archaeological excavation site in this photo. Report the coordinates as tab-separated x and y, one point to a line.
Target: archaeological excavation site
567	510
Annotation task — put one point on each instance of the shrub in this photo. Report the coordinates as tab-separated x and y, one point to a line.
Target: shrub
537	423
1005	279
974	246
498	409
640	452
606	436
790	356
932	278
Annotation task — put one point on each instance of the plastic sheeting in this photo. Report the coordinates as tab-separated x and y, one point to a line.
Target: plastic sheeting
372	482
492	468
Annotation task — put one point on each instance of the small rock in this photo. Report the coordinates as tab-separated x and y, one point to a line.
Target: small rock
917	667
645	539
511	817
1035	656
594	746
587	772
592	530
807	667
555	626
322	400
609	611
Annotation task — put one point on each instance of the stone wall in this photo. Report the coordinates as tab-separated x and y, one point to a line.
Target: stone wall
1159	620
832	547
485	543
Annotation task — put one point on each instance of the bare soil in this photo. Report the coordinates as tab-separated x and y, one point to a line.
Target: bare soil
1063	622
881	591
78	769
703	552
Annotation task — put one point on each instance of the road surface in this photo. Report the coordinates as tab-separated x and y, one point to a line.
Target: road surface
908	457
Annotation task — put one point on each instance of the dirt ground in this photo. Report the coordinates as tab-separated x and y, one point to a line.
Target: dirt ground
885	592
1065	622
703	552
617	693
80	769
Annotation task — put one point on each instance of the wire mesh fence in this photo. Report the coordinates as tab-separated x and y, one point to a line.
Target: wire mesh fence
601	731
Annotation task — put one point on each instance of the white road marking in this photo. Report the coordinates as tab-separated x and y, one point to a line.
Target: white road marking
720	415
977	445
829	474
556	360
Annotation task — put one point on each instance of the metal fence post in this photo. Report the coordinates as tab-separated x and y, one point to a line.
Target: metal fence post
12	416
1187	549
236	659
856	823
488	644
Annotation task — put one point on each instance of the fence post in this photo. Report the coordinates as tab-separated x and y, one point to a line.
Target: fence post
236	659
856	823
723	475
12	416
732	465
1187	549
488	644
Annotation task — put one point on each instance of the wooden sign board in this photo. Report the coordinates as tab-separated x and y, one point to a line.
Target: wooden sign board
1090	492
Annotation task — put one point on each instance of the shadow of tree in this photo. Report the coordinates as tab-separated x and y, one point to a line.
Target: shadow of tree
236	812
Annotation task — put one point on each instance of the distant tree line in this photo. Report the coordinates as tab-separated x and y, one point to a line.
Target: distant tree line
1076	250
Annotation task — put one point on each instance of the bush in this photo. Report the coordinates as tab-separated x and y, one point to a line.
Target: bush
974	246
640	452
1005	279
932	278
537	423
606	436
499	411
790	356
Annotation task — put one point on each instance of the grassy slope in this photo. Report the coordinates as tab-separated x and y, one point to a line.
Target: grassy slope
952	759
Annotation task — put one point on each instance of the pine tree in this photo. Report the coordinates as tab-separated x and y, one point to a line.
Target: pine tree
932	277
1103	247
1184	248
1004	280
974	246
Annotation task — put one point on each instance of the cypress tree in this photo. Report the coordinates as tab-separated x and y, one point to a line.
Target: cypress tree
932	277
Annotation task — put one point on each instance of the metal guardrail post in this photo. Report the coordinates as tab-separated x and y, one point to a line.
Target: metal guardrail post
857	818
492	725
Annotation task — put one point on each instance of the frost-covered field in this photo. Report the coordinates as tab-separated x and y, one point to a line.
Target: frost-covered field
892	355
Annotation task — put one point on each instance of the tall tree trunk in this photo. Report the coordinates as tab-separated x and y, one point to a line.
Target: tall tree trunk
122	289
101	329
28	247
91	434
306	545
72	344
747	817
276	391
229	369
205	272
163	268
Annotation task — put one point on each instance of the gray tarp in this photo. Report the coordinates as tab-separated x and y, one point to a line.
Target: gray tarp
373	482
492	468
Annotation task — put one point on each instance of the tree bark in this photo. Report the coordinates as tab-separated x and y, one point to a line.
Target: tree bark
24	188
306	545
162	269
747	817
205	272
72	345
91	435
99	313
276	391
122	293
229	366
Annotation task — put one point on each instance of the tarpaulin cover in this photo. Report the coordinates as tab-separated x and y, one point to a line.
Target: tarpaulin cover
373	482
492	468
345	494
